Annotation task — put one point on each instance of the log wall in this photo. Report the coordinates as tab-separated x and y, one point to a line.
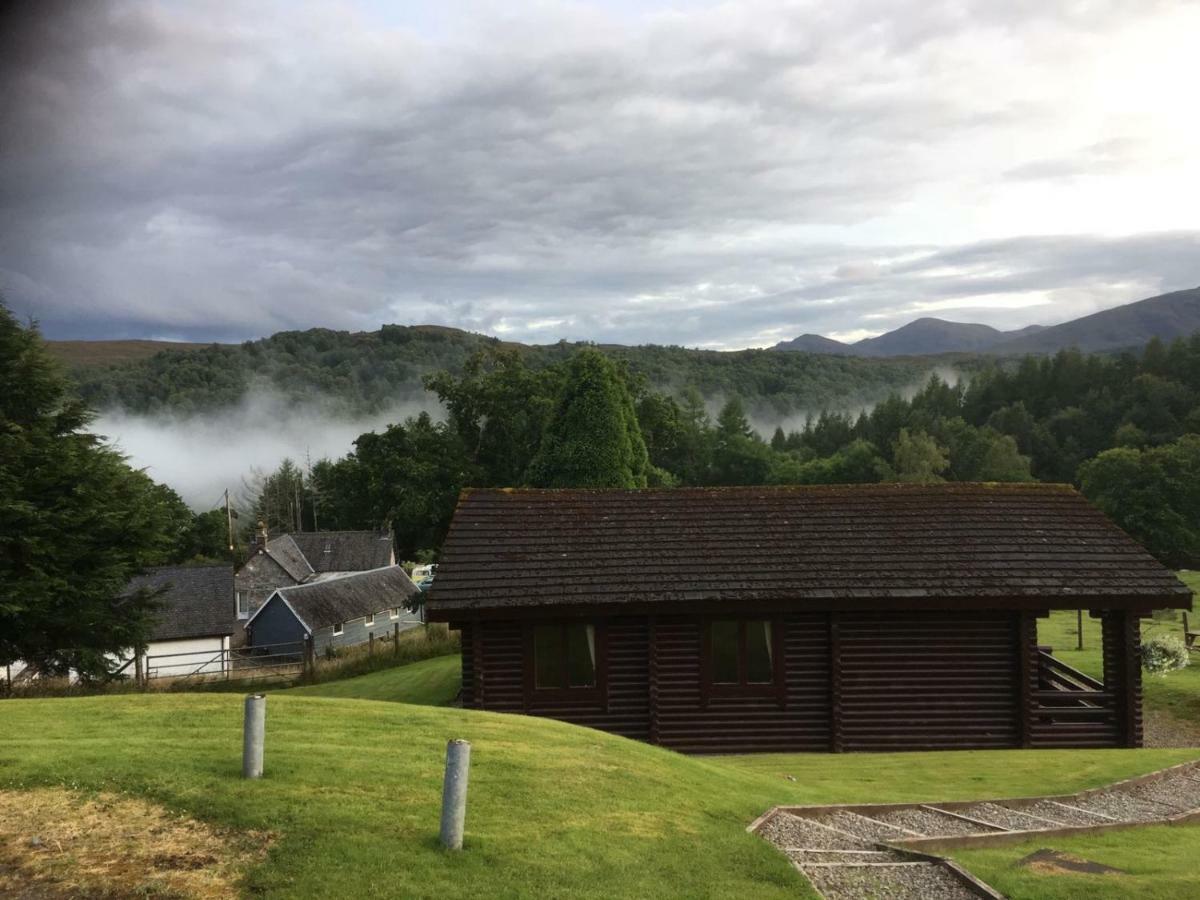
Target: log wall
869	681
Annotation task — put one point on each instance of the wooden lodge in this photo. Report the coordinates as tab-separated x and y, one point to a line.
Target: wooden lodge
841	618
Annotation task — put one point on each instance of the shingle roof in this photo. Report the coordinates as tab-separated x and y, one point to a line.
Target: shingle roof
345	551
198	600
323	603
896	545
287	553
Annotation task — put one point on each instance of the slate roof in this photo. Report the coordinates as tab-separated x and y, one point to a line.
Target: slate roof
887	545
198	601
283	550
323	603
345	551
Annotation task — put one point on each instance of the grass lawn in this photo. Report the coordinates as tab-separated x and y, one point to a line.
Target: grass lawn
1160	862
353	789
431	682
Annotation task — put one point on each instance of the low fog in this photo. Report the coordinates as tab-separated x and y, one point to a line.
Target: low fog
201	455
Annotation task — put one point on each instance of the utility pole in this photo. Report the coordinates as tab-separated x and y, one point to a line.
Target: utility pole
229	520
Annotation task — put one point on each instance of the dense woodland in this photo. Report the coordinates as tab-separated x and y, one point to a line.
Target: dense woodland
367	372
1125	428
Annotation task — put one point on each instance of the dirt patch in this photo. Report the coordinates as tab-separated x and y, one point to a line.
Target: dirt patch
1054	862
58	845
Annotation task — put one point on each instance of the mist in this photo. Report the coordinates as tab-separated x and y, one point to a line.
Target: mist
201	455
764	420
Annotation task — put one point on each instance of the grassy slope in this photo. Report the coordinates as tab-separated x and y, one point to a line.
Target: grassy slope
353	789
1160	862
431	682
84	354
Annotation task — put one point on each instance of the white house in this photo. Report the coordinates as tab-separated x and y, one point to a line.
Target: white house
196	622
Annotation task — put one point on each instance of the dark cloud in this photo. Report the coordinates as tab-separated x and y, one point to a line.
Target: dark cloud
717	176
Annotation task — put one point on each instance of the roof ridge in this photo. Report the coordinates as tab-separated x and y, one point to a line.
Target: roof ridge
338	577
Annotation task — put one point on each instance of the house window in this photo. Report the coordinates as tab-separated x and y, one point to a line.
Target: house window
741	652
243	609
394	612
369	620
564	656
337	629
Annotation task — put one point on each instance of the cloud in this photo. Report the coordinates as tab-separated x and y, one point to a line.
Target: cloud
714	175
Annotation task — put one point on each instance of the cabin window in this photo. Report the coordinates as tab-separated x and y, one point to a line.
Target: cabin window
741	652
337	629
243	610
394	612
564	656
369	620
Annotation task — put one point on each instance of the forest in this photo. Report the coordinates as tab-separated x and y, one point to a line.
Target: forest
1124	428
364	373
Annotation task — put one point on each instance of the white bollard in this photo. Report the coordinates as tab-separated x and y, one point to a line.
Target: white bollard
454	793
253	733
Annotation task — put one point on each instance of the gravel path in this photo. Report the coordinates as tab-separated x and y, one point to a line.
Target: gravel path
821	843
863	827
920	882
1161	729
928	823
1003	817
1073	816
785	830
1179	793
1120	805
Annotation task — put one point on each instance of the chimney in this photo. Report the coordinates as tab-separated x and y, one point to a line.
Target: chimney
262	533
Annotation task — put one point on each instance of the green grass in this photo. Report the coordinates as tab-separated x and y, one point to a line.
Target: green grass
1161	862
432	682
353	790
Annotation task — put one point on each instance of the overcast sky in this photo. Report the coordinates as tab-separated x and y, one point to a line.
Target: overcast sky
717	175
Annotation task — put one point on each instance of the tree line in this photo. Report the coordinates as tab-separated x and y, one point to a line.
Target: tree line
1123	428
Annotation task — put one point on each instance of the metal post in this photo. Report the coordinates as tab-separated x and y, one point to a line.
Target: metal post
253	733
371	644
454	793
396	639
1079	614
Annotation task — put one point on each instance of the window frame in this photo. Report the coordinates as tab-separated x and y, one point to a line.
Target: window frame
241	609
776	687
369	621
393	612
598	691
339	628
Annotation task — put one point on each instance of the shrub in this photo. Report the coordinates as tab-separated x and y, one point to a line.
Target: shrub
1164	654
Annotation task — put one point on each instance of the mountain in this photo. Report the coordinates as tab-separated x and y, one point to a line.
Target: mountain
922	337
928	335
815	343
1167	316
107	353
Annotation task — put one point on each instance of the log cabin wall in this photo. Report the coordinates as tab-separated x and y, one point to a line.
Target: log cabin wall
863	681
796	718
929	680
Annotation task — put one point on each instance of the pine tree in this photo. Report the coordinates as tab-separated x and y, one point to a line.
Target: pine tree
593	438
76	522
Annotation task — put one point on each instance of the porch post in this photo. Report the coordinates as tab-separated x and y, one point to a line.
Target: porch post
1028	673
1123	672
